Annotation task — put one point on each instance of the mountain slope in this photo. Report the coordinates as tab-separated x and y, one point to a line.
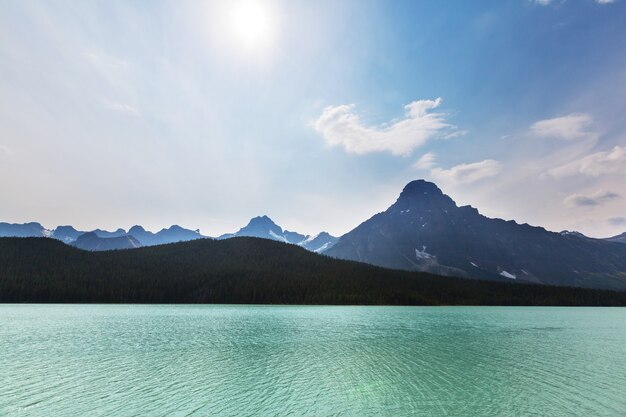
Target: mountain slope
424	230
92	242
618	239
244	270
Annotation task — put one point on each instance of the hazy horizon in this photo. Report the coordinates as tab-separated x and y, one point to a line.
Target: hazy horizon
208	114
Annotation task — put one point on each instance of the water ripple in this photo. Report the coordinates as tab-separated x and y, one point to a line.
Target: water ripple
311	361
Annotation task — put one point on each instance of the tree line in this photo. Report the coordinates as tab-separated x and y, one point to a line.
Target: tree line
246	271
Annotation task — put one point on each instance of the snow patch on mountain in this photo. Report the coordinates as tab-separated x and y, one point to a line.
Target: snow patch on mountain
508	275
278	237
422	254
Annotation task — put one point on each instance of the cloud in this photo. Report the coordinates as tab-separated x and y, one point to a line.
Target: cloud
6	150
340	126
572	126
122	107
594	165
467	173
605	1
543	2
617	221
427	161
597	199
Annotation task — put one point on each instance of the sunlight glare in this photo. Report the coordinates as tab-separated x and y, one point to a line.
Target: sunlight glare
252	23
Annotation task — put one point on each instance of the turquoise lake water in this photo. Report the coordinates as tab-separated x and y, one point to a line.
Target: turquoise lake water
127	360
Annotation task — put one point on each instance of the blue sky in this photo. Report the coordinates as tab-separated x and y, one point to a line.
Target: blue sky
317	114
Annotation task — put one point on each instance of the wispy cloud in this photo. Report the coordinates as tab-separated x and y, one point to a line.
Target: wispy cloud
617	221
6	150
122	107
594	165
467	173
341	126
599	198
605	1
426	161
572	126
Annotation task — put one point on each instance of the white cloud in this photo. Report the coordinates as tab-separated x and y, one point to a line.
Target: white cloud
340	126
427	161
605	1
467	173
543	2
599	198
122	107
594	165
572	126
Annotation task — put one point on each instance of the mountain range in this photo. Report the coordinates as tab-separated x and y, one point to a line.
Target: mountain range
424	230
99	239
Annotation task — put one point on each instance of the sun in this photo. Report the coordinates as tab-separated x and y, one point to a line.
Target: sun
253	23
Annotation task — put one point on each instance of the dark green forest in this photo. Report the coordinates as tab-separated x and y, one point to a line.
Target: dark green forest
246	270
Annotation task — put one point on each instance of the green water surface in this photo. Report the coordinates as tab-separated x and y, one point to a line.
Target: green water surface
127	360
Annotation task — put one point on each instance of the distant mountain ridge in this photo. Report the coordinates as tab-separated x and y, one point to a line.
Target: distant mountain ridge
261	226
424	230
32	229
136	236
92	242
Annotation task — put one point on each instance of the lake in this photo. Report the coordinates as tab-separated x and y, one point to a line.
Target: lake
180	360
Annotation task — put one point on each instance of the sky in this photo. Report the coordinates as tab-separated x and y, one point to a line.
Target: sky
205	114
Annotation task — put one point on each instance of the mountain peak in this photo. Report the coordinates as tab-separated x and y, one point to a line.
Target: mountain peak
422	194
261	221
420	187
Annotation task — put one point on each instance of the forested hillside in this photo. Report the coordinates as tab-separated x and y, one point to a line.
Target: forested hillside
245	270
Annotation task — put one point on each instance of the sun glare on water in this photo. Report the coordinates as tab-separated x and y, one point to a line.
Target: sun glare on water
252	23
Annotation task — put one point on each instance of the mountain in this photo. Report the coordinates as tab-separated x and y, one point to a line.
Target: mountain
170	235
424	230
245	270
176	233
106	234
574	233
92	242
66	234
264	227
319	243
618	239
23	230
